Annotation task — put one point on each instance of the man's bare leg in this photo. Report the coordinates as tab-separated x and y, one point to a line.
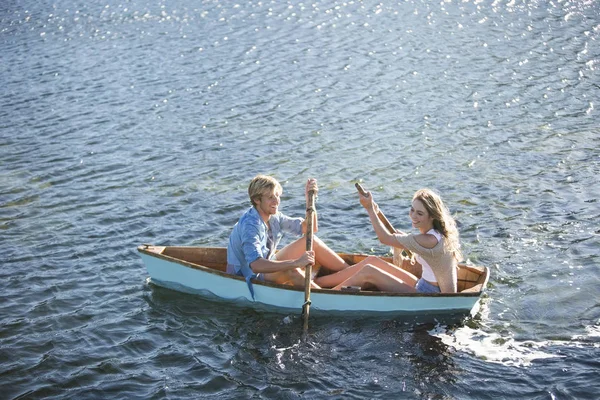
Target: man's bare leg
323	254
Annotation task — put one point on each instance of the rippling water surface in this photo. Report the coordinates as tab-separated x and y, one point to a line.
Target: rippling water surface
134	122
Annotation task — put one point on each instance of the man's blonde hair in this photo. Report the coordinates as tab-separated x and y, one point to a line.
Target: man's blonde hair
262	184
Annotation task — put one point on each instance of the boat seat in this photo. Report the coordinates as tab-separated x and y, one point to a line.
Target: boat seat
475	289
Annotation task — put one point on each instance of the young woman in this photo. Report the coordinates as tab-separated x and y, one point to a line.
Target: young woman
436	248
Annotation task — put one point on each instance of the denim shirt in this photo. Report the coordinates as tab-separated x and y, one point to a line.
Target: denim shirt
249	240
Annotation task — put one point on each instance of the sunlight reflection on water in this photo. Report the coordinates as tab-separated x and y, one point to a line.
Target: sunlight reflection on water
143	122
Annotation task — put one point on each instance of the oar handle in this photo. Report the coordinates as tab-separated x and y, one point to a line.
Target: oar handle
380	214
310	209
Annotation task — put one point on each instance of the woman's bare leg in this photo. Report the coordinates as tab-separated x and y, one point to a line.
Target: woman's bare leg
384	281
339	277
331	280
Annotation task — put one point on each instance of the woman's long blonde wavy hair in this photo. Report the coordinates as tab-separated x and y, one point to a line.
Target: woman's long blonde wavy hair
443	222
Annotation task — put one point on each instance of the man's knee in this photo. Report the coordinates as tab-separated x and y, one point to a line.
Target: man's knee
318	241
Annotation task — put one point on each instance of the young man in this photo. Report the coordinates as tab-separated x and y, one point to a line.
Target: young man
254	240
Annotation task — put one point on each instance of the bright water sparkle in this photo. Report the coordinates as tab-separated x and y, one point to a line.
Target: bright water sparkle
142	122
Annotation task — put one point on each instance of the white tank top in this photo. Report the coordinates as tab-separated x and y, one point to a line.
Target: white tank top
427	273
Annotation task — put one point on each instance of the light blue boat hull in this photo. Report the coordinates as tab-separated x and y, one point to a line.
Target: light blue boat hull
191	278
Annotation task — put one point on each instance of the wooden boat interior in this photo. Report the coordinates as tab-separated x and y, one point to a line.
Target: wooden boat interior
471	278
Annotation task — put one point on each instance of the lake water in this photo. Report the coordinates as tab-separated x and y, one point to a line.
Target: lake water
133	122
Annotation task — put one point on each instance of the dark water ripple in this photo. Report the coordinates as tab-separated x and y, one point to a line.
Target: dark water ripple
142	122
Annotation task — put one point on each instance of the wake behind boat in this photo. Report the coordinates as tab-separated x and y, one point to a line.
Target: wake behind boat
201	270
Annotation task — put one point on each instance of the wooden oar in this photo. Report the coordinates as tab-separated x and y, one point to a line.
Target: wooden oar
381	216
309	246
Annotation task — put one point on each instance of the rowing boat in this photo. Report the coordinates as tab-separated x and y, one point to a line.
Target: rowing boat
201	270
